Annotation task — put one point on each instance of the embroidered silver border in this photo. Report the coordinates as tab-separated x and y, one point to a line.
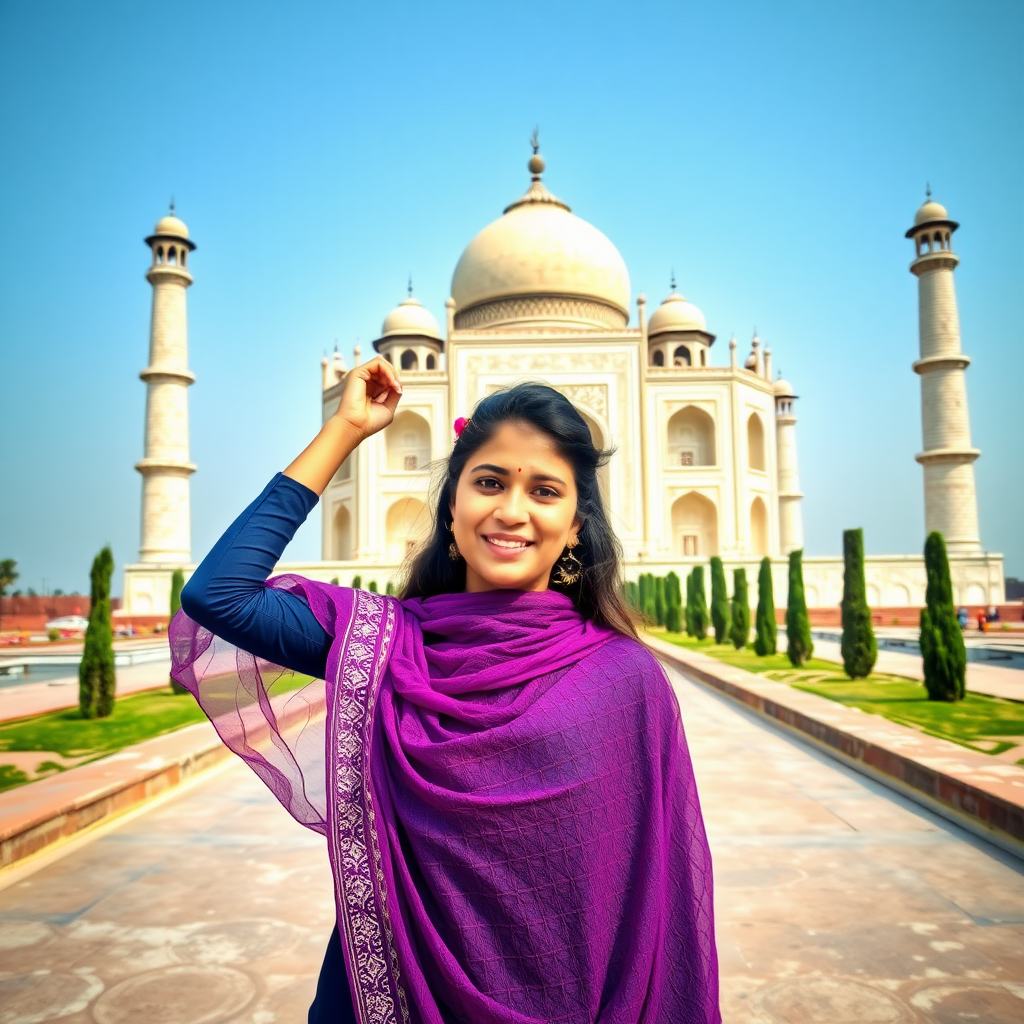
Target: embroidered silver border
363	915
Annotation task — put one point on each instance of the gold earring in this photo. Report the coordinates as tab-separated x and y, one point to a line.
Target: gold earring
569	568
453	549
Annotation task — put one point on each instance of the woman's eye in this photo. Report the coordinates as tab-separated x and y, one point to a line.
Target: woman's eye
545	492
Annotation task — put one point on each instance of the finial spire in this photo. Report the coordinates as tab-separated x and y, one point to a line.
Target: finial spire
927	190
172	202
673	279
536	193
410	285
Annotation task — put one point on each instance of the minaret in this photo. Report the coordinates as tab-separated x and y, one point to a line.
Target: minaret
791	520
950	502
165	469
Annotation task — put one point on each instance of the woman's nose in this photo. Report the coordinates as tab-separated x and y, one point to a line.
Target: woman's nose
512	508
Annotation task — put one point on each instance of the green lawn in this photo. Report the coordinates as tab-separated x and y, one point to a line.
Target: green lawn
989	725
137	717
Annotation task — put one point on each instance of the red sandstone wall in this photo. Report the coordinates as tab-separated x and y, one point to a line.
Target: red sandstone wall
32	613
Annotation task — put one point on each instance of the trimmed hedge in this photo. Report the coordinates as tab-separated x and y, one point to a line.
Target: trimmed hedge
765	630
859	647
739	631
942	642
799	646
719	601
97	681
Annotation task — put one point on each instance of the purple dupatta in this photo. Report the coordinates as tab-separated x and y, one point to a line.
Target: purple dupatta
511	814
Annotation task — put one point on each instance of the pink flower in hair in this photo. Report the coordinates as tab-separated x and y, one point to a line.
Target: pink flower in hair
460	425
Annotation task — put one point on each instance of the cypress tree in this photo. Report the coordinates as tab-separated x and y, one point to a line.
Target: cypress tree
96	678
372	587
177	582
673	604
739	632
765	630
672	592
357	582
390	589
633	591
859	647
942	642
799	646
335	581
719	601
650	610
688	607
700	604
641	583
659	599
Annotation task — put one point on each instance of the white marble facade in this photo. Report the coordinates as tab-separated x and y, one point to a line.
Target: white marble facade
706	441
706	457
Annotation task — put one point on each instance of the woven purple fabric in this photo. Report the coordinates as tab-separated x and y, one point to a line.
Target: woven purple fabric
507	795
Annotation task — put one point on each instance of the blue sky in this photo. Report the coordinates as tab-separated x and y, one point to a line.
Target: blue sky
772	153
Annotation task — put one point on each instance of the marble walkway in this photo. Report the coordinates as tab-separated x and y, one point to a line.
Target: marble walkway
836	901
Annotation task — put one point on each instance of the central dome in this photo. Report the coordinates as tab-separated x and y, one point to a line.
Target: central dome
539	266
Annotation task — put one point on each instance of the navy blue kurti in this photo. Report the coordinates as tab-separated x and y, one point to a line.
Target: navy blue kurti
227	596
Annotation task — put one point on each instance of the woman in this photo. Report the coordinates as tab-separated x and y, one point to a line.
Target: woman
497	763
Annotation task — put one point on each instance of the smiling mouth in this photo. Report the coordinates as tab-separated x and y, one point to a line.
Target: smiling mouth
508	545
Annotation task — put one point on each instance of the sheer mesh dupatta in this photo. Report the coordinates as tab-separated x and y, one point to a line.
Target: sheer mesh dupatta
274	719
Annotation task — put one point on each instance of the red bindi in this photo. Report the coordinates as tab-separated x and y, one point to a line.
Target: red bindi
520	470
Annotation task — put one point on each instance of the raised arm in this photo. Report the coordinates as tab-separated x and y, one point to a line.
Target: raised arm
227	593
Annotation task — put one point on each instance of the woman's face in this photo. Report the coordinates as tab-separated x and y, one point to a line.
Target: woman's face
515	488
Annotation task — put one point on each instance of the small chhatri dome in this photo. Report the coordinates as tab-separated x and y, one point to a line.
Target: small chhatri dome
930	211
539	262
783	389
171	225
410	318
676	314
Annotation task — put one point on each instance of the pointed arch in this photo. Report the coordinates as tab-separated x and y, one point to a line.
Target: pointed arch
405	525
755	443
597	436
341	534
694	526
759	527
691	438
408	443
410	361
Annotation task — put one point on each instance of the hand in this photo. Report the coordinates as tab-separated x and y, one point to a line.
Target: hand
370	397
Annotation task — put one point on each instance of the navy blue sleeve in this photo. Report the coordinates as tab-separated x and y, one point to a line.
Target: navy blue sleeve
227	593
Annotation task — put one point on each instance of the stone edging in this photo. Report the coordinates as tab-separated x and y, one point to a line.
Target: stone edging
39	814
971	789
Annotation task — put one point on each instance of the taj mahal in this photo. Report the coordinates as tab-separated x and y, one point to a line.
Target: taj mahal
706	461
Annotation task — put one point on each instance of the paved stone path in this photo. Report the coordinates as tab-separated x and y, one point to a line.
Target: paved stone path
36	698
837	902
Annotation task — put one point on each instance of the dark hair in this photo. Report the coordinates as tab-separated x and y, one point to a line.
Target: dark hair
597	593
